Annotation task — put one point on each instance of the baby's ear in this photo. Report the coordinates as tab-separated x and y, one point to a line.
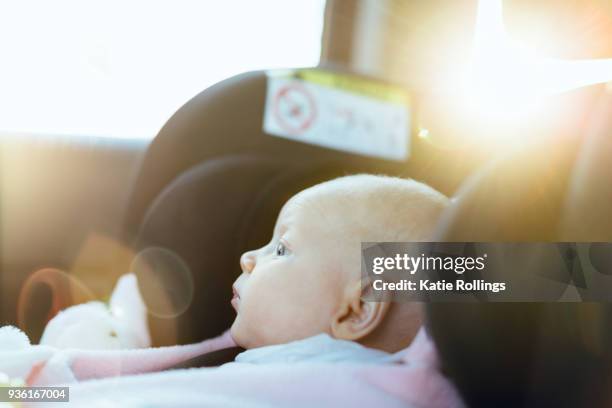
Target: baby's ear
357	318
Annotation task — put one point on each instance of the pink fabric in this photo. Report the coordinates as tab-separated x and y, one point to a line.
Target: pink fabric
67	366
414	383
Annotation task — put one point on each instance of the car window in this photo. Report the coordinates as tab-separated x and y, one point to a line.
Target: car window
120	69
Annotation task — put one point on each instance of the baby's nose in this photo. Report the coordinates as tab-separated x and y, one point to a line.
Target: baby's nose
247	261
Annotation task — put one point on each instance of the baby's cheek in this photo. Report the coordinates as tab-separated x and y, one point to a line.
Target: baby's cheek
258	306
268	286
269	308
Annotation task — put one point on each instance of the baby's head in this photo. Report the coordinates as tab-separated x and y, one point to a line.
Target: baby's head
306	280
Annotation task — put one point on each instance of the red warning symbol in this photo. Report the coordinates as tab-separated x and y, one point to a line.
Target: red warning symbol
294	108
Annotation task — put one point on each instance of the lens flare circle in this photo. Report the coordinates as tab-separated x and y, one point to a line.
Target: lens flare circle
165	281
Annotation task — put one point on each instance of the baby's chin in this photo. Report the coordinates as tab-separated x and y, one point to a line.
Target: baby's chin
237	335
245	338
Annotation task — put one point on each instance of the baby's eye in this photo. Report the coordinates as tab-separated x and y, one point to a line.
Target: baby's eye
281	249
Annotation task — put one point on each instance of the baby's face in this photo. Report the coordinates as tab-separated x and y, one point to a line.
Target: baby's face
291	288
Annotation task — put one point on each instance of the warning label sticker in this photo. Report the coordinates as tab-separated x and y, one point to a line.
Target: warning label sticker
295	108
338	112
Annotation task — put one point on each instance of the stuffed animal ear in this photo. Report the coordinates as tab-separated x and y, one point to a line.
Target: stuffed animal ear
11	338
127	306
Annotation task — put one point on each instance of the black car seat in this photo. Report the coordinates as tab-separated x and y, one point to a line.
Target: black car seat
210	187
533	354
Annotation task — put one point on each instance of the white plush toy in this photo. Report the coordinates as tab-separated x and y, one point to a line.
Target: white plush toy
17	356
122	324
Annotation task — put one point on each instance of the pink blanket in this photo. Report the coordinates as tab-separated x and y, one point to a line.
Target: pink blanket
414	383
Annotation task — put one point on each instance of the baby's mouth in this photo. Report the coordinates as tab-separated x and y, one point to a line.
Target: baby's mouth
235	299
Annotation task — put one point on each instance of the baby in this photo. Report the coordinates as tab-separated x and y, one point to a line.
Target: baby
306	280
298	298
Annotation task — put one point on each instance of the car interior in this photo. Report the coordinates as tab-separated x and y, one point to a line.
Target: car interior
178	208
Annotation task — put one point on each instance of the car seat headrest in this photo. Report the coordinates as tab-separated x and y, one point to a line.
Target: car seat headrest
518	198
223	120
523	354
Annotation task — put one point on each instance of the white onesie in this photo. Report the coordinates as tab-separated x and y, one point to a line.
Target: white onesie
319	348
